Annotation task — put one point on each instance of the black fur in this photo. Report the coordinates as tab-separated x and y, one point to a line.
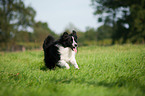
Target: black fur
51	54
51	51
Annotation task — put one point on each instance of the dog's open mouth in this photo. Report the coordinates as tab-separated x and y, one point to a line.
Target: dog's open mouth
75	49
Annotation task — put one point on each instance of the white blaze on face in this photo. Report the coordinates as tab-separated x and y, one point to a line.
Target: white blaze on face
73	44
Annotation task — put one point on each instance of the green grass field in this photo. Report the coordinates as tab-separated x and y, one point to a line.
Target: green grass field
104	71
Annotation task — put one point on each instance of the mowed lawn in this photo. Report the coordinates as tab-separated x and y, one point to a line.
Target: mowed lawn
104	71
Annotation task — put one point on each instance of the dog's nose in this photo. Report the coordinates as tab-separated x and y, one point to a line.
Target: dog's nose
76	45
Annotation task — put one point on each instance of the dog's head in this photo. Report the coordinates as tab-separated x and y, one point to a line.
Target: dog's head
69	40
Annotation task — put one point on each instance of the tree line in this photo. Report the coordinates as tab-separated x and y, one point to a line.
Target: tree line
18	27
123	22
126	18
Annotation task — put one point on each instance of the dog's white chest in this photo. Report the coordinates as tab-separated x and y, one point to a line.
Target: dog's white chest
66	53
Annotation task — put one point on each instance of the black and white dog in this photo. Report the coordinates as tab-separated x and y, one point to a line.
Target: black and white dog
60	52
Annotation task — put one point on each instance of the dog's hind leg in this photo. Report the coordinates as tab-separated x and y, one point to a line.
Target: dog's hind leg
62	63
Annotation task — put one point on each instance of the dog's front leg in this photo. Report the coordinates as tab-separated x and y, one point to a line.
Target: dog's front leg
63	63
73	62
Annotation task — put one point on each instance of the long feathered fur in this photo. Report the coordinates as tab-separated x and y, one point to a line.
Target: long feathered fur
55	51
51	52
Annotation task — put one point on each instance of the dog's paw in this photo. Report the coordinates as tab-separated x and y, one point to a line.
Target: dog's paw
67	67
77	68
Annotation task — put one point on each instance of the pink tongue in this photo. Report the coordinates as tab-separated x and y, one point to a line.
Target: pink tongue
75	49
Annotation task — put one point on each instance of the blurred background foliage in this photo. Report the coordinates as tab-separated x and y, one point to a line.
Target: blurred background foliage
126	19
123	22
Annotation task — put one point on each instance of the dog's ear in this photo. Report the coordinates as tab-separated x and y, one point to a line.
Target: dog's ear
65	34
74	33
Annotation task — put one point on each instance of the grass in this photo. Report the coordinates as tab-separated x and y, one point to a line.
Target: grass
104	71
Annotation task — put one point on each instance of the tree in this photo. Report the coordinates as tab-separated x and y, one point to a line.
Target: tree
41	31
90	34
104	32
127	18
71	27
22	36
14	17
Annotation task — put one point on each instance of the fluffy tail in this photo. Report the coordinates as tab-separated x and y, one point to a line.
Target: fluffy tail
47	42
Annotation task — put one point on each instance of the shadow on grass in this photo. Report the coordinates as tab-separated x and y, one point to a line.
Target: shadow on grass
43	68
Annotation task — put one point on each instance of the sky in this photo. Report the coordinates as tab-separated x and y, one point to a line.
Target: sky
59	14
